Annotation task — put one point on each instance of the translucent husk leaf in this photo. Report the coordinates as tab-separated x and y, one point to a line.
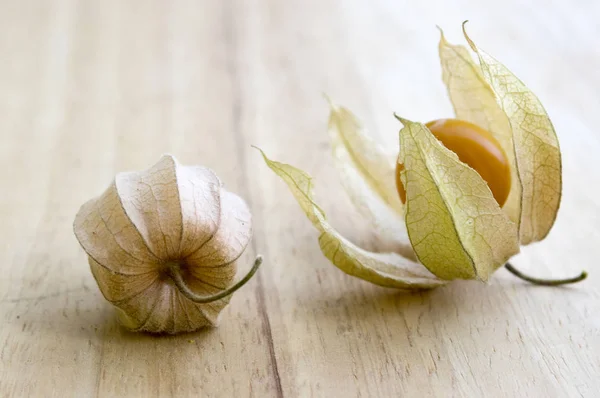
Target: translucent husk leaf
367	173
384	269
474	100
455	225
536	147
375	165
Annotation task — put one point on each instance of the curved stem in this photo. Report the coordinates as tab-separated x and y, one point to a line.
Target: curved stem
545	282
175	272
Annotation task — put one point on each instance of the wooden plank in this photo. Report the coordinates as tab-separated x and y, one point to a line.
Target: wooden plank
132	95
88	89
343	337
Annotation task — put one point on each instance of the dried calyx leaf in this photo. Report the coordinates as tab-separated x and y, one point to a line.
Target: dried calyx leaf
163	246
384	269
455	225
366	170
535	151
474	100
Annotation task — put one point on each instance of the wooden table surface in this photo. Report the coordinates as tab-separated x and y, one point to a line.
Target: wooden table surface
91	88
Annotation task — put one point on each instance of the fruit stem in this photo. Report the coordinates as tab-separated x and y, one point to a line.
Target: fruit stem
545	282
175	273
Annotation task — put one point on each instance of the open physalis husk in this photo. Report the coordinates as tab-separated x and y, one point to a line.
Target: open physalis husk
451	224
163	246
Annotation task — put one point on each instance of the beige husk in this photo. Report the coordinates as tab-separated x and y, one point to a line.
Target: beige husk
163	245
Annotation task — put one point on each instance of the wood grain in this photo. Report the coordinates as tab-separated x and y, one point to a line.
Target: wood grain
88	89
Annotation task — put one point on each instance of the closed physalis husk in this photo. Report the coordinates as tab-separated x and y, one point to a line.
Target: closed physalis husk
163	246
